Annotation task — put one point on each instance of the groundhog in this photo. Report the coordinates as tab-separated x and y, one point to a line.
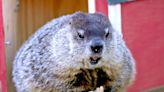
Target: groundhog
74	53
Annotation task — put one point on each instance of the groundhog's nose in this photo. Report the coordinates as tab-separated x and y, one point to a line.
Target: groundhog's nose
97	47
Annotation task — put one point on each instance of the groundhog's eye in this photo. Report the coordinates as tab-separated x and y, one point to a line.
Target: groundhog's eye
80	36
106	32
80	33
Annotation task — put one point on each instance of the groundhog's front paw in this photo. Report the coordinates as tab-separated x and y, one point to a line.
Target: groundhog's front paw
99	89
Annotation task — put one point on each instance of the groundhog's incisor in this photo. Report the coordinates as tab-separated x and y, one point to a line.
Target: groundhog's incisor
74	53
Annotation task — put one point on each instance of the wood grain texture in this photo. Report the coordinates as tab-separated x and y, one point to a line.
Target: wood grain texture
35	13
10	30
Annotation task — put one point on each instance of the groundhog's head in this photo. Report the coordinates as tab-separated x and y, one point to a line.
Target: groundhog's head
90	40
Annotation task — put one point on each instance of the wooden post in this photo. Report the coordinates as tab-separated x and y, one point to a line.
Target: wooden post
3	78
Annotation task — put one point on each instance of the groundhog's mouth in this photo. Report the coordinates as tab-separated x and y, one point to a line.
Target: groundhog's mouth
94	60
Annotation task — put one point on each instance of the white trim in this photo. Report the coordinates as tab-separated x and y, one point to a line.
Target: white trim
114	13
91	6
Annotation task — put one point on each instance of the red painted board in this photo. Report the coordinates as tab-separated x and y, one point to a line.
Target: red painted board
143	30
102	6
3	79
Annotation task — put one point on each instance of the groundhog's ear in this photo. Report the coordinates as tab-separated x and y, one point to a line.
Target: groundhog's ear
78	15
78	18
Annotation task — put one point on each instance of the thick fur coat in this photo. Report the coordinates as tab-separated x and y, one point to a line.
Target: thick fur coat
58	58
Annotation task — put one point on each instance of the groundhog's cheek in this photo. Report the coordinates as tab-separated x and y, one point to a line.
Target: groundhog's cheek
73	47
87	51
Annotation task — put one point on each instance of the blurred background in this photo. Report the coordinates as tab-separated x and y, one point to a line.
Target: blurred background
140	22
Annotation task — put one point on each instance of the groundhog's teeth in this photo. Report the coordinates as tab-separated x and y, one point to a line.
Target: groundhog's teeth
95	58
93	62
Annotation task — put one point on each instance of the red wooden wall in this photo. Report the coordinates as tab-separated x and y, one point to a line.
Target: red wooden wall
3	79
102	6
143	30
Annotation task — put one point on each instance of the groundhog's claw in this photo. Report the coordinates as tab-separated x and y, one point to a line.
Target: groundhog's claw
99	89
